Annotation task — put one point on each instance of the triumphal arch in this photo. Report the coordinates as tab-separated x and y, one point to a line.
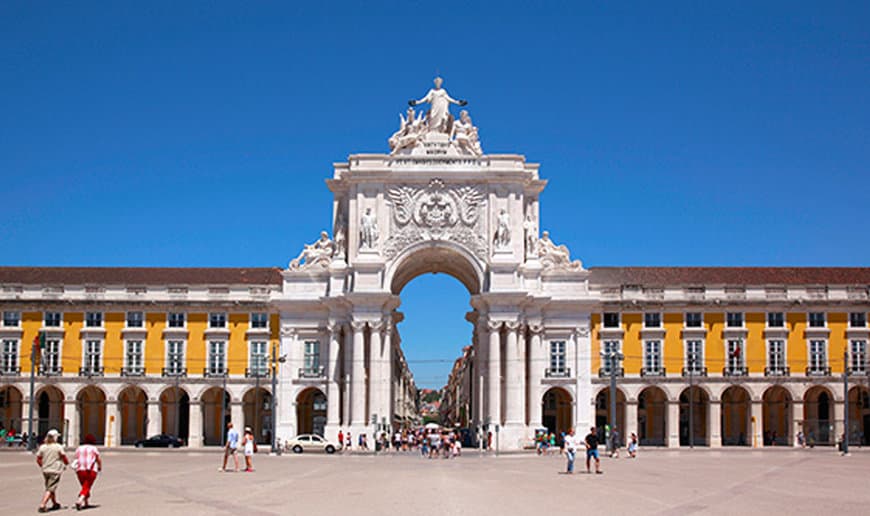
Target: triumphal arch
436	203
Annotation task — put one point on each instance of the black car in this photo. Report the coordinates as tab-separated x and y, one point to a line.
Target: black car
160	441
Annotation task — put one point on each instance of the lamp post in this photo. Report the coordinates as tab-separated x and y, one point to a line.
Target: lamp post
176	372
224	408
612	357
275	361
846	402
691	359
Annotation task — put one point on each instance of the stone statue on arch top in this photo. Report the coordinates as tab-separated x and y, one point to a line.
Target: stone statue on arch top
438	118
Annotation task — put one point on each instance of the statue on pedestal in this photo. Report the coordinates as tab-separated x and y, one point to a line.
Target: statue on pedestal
465	135
555	256
318	253
503	230
369	230
531	229
438	118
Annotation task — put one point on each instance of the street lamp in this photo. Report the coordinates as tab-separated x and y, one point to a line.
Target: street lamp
612	357
275	361
691	361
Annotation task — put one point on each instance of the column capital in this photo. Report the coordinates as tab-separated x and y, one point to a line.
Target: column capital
581	331
536	329
376	326
358	326
493	325
512	325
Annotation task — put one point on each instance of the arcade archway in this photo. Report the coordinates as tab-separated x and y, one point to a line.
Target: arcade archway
819	415
213	428
257	408
133	411
602	412
736	412
175	413
11	416
700	405
91	405
776	416
859	415
311	412
557	410
652	417
50	411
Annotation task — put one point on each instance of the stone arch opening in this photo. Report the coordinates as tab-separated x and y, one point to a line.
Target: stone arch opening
175	412
133	411
49	411
859	415
311	411
699	401
818	421
257	408
776	416
91	406
557	405
214	427
602	412
652	417
11	406
435	257
736	417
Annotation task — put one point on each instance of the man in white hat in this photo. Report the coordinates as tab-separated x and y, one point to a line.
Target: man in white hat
52	459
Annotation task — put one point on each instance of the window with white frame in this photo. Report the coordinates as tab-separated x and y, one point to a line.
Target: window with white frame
217	320
858	320
9	362
176	320
217	357
135	319
94	319
312	357
694	320
259	320
52	319
818	357
611	319
734	319
734	361
557	358
775	320
695	356
12	319
133	357
652	356
776	357
858	356
93	356
257	361
817	319
610	347
175	357
51	357
652	320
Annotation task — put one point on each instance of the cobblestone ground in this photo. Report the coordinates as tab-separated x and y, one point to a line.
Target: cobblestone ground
180	482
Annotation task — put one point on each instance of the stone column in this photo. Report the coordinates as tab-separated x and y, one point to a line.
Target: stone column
481	358
493	383
113	424
237	416
673	424
194	439
346	371
375	370
714	424
630	420
71	414
154	423
797	414
756	430
536	374
358	377
513	382
386	359
333	372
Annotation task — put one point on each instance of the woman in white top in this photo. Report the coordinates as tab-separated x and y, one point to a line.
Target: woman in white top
250	448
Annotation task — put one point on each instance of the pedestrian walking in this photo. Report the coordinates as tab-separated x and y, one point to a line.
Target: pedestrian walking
592	451
614	443
231	447
340	439
87	464
250	448
348	441
52	460
570	446
632	446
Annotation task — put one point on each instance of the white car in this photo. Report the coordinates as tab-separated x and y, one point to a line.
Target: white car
310	442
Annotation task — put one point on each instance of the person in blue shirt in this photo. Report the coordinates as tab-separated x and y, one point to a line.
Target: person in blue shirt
231	447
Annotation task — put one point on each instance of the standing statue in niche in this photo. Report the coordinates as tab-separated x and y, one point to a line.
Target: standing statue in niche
340	252
318	253
531	229
368	230
438	118
503	230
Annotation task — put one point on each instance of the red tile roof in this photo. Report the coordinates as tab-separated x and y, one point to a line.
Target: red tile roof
140	276
730	276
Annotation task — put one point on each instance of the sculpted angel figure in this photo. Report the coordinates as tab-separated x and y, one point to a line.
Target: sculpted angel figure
439	110
320	252
409	133
465	134
553	255
368	230
503	231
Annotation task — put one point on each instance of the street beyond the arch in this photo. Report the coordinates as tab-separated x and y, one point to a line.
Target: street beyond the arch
701	481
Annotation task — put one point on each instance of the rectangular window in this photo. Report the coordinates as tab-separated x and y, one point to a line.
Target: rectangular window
734	361
776	357
858	356
94	319
176	320
312	357
858	320
259	320
133	357
217	358
12	319
652	320
694	320
557	358
652	357
51	357
175	357
52	319
734	319
93	353
10	357
611	319
818	357
135	319
258	359
217	320
610	346
775	320
695	356
817	319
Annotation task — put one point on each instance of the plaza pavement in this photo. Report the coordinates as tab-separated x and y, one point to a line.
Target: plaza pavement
182	482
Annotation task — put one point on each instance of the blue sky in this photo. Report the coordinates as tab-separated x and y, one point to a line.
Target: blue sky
200	133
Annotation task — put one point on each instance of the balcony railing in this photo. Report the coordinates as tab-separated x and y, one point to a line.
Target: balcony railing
10	371
698	371
257	372
735	371
50	371
857	371
90	371
818	371
652	372
561	372
133	371
777	371
311	372
209	372
604	372
173	371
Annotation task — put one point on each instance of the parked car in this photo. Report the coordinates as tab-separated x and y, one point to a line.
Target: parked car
160	441
310	442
